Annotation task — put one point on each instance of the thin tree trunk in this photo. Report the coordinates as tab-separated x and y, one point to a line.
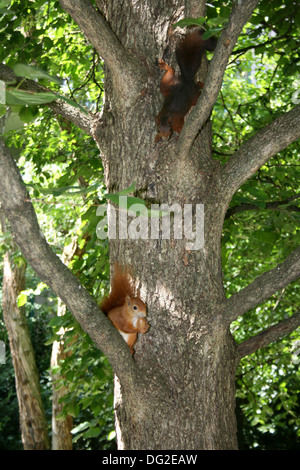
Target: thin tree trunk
33	424
61	428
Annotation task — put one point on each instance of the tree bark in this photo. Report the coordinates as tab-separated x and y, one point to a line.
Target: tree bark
269	335
61	428
177	392
187	360
33	424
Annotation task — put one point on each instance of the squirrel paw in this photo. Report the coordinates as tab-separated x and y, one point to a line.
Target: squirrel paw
161	64
145	328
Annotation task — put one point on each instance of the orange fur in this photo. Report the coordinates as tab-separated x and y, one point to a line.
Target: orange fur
120	287
181	92
126	312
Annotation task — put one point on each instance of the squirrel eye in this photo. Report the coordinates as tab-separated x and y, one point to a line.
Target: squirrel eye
135	307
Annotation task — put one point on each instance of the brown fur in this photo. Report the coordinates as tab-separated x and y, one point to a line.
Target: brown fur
181	92
120	287
126	312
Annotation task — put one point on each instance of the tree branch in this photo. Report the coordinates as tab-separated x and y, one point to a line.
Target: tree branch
27	234
200	113
268	336
263	286
69	112
128	75
260	148
262	44
273	205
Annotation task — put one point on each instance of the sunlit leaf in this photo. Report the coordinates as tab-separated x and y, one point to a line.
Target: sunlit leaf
190	22
30	71
30	97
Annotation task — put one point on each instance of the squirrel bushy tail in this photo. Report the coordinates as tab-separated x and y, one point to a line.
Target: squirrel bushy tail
189	53
120	287
125	311
181	92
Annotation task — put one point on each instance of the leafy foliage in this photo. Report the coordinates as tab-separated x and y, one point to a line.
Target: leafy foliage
263	220
64	176
63	172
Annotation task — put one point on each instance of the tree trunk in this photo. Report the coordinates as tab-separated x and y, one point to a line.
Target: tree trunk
33	423
177	392
194	407
61	428
188	355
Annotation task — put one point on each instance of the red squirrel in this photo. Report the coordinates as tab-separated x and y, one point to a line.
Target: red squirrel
126	311
181	92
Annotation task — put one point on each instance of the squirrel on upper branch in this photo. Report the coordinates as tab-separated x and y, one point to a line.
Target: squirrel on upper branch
181	92
126	311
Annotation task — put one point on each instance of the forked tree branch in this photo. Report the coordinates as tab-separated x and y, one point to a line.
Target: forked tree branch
200	113
260	148
127	73
269	335
27	234
69	112
263	287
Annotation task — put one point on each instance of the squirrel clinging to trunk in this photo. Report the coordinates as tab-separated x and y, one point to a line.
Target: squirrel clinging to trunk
181	92
126	311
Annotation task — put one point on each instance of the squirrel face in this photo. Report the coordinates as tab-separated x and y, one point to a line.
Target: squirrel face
135	307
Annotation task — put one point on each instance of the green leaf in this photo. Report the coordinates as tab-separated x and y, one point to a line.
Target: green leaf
211	32
81	427
265	236
111	435
22	299
2	109
65	189
13	123
126	191
29	71
93	432
11	100
56	321
260	204
26	114
258	193
73	409
31	98
125	202
190	22
51	340
217	21
4	3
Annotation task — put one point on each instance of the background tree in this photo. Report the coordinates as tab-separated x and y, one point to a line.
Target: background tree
187	361
33	423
